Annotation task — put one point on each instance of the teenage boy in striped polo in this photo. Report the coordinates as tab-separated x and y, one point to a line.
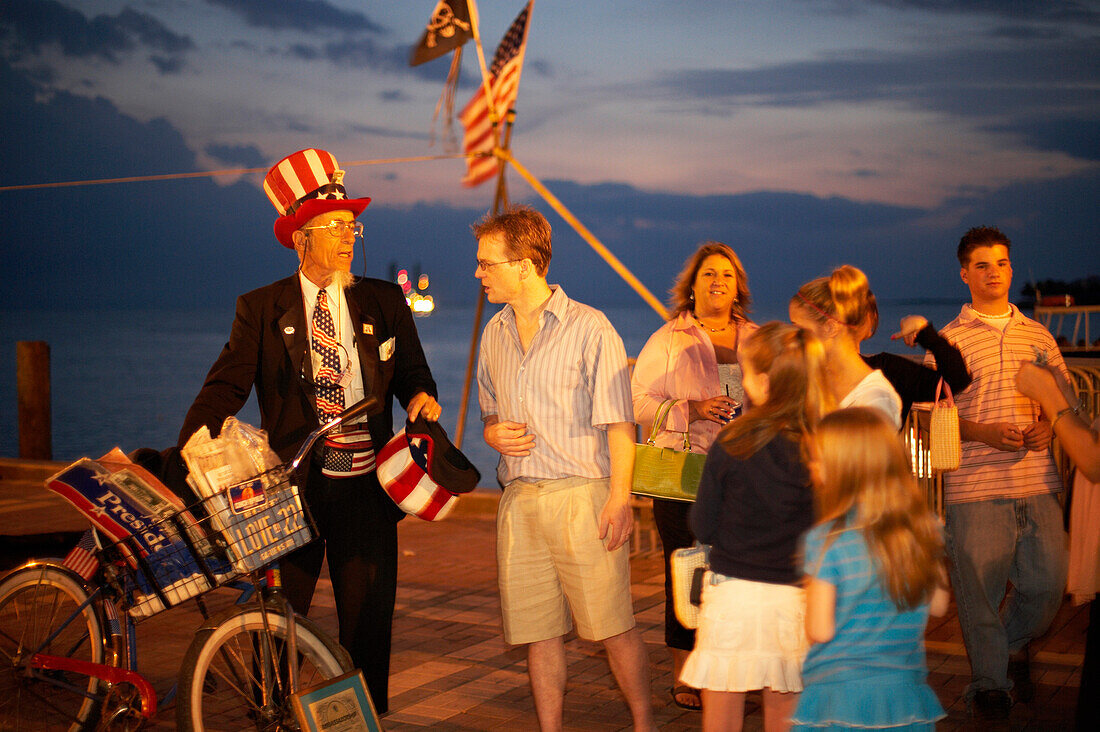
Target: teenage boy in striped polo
555	400
1004	520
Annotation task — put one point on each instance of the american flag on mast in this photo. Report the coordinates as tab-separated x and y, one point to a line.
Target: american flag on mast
481	135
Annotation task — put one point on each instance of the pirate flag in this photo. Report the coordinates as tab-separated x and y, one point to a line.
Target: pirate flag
447	29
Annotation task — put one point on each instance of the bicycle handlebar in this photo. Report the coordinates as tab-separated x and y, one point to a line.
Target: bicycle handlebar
361	407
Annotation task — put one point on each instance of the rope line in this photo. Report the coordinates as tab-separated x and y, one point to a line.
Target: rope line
233	171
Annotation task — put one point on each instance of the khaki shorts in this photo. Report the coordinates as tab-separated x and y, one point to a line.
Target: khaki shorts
550	559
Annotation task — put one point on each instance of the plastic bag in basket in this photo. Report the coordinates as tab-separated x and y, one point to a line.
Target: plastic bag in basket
251	504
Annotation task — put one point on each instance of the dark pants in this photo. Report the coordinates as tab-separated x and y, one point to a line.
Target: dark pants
356	521
671	518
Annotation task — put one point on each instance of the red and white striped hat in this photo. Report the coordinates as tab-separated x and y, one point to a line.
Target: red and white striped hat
303	185
423	472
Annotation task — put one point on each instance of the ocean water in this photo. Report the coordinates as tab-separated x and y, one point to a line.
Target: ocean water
127	378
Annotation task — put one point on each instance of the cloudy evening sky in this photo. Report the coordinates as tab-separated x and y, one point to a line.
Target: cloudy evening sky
805	133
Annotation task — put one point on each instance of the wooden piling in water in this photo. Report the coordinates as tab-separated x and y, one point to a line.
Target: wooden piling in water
32	377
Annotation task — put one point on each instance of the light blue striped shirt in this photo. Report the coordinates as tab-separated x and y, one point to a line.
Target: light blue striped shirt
872	674
872	635
567	388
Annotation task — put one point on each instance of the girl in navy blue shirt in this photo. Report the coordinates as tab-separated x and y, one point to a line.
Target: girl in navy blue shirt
754	503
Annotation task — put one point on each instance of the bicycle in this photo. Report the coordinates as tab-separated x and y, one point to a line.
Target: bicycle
68	649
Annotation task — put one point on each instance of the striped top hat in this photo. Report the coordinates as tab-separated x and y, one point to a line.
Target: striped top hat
303	185
423	472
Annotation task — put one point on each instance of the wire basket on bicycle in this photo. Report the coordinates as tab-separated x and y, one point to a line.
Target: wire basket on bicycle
169	553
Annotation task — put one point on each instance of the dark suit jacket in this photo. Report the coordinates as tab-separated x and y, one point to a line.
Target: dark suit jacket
269	348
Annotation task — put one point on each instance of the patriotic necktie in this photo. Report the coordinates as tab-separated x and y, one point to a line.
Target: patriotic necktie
350	452
330	393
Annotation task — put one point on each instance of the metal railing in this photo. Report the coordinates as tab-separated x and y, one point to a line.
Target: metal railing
1081	339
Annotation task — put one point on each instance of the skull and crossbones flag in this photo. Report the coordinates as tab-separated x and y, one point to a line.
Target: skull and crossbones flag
447	29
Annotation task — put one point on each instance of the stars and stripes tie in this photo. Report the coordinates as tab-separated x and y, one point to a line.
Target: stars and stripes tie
330	393
351	452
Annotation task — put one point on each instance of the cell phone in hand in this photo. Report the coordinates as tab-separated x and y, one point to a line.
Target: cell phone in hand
695	594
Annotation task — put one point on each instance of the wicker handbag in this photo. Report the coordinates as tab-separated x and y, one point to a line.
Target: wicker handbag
662	472
687	566
943	432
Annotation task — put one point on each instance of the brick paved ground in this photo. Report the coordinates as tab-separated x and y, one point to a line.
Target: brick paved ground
481	683
452	671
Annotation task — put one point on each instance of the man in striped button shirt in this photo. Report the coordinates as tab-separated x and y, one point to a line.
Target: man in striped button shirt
1004	521
555	400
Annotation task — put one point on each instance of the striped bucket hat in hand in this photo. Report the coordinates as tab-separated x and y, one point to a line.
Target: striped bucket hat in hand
423	472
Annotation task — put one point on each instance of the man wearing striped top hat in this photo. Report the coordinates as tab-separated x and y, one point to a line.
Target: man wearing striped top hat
311	345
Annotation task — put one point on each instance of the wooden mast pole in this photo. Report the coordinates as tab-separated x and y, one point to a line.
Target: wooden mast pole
500	199
486	84
500	202
588	236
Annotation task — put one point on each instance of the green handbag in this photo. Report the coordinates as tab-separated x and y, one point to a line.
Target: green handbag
662	472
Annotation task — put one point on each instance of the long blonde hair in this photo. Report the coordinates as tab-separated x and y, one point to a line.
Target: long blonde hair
844	297
865	478
794	360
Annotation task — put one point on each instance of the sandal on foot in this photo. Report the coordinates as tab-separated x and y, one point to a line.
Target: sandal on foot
685	690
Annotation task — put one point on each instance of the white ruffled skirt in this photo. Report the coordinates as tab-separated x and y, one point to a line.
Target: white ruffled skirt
751	636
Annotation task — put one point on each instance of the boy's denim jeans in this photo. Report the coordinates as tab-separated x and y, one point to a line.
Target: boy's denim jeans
991	543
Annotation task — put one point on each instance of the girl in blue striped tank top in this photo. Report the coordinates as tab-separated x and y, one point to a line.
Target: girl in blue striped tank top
874	566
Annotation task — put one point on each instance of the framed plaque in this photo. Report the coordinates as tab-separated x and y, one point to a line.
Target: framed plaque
337	705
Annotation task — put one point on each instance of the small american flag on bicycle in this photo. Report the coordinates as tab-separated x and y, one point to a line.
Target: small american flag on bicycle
82	559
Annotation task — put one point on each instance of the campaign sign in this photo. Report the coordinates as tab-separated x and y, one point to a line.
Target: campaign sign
111	498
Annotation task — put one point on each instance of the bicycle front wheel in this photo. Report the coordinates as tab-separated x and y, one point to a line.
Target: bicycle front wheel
40	612
234	676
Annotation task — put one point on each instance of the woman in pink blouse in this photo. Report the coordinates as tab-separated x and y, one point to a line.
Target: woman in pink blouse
692	359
